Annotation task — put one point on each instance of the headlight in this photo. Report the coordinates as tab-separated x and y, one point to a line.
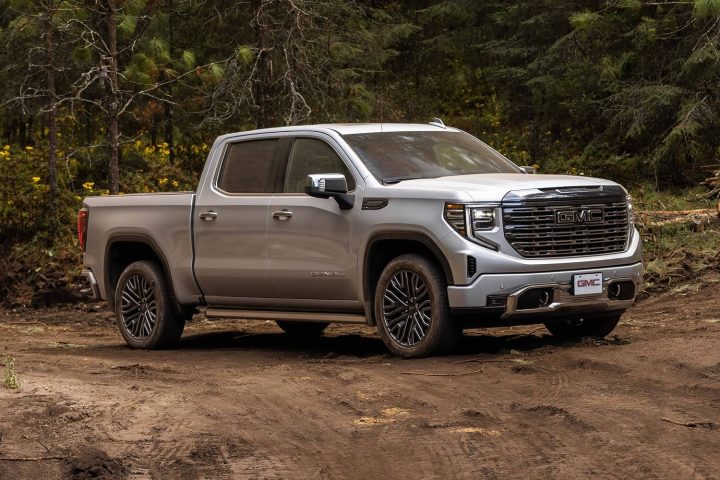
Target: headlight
483	218
480	219
631	215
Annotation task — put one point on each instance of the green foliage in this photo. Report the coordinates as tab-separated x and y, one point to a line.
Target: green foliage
647	198
11	379
24	203
217	71
584	20
142	69
707	8
127	25
621	89
245	54
159	49
188	59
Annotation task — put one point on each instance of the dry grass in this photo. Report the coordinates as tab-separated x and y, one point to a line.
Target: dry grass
11	379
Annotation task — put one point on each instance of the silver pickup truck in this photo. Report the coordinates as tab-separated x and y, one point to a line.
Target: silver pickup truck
421	230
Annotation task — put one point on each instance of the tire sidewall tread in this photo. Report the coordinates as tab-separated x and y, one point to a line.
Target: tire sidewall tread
442	334
168	327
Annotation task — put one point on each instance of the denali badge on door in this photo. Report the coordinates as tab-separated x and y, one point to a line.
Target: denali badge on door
587	284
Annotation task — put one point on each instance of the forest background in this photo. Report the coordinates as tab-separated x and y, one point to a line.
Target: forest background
119	96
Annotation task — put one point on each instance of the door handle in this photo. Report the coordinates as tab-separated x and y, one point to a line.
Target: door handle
282	214
208	216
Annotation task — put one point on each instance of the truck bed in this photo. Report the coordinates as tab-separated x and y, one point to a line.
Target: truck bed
165	219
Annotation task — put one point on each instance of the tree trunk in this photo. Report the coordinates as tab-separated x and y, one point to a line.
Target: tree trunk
261	87
113	127
169	139
168	110
22	129
154	130
52	119
536	135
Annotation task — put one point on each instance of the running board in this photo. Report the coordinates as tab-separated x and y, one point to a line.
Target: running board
287	316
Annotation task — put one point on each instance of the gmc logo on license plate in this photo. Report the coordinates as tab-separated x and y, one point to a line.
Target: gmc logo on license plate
580	215
589	283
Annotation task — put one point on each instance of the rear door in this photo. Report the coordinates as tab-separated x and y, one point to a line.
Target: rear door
311	257
231	222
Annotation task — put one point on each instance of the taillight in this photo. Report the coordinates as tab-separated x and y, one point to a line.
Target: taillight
83	216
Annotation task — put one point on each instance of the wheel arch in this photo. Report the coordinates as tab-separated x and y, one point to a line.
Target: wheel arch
382	247
123	249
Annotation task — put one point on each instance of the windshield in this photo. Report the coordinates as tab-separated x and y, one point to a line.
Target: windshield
395	156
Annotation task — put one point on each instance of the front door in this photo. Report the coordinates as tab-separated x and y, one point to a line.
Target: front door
311	251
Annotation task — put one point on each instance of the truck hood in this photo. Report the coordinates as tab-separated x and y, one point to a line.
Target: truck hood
491	187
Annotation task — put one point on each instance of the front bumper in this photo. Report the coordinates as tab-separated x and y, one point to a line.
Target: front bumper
512	286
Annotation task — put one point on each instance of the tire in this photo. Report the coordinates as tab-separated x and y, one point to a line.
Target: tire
411	308
303	329
141	296
598	326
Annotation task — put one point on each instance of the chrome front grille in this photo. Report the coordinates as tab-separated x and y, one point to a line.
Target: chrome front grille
569	228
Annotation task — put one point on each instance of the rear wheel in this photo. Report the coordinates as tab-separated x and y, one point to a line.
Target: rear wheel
411	308
143	308
592	326
303	329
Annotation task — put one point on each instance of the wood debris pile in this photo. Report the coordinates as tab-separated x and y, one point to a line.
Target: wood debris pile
713	183
695	220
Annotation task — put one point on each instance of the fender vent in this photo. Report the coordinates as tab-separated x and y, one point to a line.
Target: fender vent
471	266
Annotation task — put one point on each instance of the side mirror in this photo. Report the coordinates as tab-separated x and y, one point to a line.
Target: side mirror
330	185
528	169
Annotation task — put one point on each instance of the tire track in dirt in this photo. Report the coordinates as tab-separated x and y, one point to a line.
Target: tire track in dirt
257	404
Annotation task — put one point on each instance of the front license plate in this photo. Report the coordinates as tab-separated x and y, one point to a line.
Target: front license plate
587	284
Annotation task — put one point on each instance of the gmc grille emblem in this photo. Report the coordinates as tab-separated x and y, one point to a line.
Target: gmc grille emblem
580	215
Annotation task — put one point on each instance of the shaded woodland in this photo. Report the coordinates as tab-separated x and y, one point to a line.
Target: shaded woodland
120	96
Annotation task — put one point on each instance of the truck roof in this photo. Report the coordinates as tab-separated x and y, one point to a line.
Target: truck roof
352	128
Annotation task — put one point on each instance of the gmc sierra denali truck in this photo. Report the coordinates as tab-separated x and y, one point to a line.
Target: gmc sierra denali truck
421	230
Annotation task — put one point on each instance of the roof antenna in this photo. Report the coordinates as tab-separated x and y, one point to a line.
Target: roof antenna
437	123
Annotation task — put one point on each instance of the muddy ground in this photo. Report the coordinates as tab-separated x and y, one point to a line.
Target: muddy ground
244	400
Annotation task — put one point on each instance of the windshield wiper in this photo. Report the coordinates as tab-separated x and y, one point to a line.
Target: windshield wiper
392	180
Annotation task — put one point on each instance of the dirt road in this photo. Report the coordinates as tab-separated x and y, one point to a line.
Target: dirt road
243	400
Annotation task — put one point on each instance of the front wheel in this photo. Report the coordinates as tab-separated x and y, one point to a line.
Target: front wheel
592	326
143	308
411	308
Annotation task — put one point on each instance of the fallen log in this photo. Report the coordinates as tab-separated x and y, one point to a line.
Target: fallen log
695	220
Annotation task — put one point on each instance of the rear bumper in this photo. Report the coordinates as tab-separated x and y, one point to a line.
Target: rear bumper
91	289
562	301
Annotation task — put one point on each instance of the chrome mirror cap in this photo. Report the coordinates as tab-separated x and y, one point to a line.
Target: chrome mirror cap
330	185
325	185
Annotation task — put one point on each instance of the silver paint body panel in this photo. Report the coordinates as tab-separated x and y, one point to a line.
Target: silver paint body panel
314	260
464	296
162	218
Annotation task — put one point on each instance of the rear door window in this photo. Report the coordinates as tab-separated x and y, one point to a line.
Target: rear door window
250	167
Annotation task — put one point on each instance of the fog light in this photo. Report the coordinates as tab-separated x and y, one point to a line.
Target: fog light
535	298
496	300
624	290
544	298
